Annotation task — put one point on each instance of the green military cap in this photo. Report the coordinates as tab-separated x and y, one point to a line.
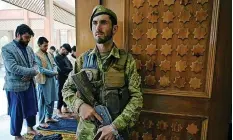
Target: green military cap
100	10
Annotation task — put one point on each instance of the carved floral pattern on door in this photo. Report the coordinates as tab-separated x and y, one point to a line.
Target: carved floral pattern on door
168	16
171	38
182	49
166	50
138	3
153	17
151	49
165	65
167	33
201	15
156	125
153	3
137	18
168	2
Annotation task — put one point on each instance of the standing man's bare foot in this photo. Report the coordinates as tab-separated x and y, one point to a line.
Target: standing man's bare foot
59	112
32	131
65	110
44	125
51	120
19	138
61	115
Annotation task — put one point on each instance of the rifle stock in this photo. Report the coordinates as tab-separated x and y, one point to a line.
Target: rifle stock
85	88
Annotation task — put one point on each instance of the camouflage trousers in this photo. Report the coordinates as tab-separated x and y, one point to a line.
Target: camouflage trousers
86	130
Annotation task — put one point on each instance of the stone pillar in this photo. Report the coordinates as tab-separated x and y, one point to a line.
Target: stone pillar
73	38
49	22
69	37
25	17
26	21
58	39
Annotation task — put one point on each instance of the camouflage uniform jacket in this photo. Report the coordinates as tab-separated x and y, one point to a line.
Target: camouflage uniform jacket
131	112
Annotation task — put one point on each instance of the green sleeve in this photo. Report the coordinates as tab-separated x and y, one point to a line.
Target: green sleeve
69	90
130	114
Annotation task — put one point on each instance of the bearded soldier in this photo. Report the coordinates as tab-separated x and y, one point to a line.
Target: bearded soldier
114	76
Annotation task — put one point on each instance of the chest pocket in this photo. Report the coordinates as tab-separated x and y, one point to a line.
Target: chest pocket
113	78
114	84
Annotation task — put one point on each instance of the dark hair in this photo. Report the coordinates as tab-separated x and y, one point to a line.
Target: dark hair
52	48
22	29
41	40
74	48
67	47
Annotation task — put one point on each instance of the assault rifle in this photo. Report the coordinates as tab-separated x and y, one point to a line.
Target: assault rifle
86	90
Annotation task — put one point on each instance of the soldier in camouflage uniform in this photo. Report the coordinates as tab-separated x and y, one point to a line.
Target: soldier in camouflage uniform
113	73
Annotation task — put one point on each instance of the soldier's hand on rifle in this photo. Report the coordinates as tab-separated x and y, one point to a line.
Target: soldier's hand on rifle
107	133
86	112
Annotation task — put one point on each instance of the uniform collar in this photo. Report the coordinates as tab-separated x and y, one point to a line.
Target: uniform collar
114	52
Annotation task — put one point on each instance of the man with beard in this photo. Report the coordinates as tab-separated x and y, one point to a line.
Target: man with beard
20	66
64	67
46	83
113	75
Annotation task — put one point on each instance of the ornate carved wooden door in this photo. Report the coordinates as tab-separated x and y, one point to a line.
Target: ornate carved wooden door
174	44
